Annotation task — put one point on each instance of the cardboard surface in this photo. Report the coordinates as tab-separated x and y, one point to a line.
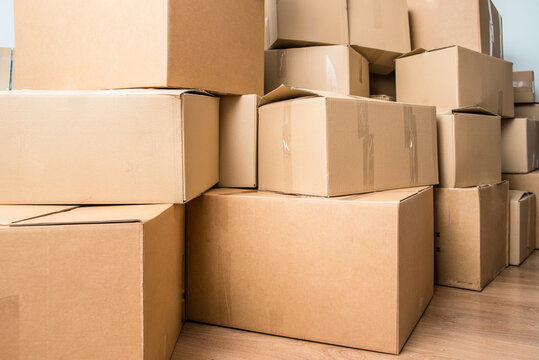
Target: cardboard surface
379	30
107	147
521	225
473	24
471	234
520	145
295	23
214	45
5	68
336	68
455	77
524	86
354	271
530	111
320	144
68	282
469	149
529	183
238	141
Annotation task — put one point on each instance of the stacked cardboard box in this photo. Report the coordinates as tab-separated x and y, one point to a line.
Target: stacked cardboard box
6	65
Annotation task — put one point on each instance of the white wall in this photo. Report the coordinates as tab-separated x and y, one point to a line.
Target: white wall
521	35
6	23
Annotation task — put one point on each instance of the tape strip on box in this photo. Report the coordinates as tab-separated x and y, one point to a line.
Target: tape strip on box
364	135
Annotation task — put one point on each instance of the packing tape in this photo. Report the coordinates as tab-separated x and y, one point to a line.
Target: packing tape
224	286
331	76
365	136
286	147
501	36
500	102
491	28
360	58
267	31
281	68
410	141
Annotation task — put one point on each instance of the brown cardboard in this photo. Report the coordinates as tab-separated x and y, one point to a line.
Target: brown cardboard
523	86
107	147
471	234
379	30
383	85
238	141
5	68
521	225
529	183
91	282
455	77
354	271
336	68
324	144
520	145
469	149
530	111
216	45
295	23
473	24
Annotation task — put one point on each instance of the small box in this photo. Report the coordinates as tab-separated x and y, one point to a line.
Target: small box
337	68
325	144
521	225
471	234
524	86
355	271
99	282
520	145
456	78
238	141
469	148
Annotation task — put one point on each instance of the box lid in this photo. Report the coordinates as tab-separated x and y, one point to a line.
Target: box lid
65	215
518	195
284	92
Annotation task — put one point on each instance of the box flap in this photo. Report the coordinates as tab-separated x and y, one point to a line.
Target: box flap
518	195
11	214
474	109
171	92
412	53
284	92
99	215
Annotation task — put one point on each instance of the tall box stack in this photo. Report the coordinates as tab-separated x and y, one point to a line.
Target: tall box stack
118	128
458	67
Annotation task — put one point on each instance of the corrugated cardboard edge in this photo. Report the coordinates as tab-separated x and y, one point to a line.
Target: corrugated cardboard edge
14	223
284	92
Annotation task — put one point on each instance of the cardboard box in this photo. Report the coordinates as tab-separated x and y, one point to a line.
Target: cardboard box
471	234
380	31
473	24
215	45
295	23
530	111
238	141
524	86
521	225
5	68
469	148
456	78
520	145
325	144
383	85
91	282
354	271
107	147
336	68
529	183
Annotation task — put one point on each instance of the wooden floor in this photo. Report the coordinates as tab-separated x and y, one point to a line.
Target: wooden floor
502	322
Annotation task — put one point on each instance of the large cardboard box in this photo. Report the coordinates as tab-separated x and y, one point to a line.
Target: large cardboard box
336	68
215	45
529	183
520	145
354	271
324	144
454	78
521	225
471	234
380	31
530	111
295	23
107	147
91	282
238	141
5	68
524	86
473	24
469	148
